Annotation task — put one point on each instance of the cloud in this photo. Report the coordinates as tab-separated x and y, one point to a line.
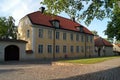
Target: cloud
18	8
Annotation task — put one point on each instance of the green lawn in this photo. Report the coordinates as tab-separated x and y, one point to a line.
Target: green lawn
89	60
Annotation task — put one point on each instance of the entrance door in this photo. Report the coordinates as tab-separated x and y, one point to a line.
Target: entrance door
11	53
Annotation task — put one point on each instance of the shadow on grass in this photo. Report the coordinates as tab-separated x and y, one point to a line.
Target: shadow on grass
110	74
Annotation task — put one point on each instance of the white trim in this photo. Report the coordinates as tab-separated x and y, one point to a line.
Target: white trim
33	39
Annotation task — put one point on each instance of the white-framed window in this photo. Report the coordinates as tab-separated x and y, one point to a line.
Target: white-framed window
77	37
82	38
56	23
57	49
71	49
40	48
87	38
40	33
49	48
28	33
91	39
57	35
77	49
82	49
71	36
64	36
49	34
81	29
64	49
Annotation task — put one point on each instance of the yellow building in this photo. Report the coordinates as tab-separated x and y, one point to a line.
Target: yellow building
55	37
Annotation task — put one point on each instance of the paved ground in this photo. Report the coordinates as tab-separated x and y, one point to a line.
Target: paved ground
108	70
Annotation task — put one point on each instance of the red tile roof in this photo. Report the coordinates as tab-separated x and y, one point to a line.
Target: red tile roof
102	42
44	19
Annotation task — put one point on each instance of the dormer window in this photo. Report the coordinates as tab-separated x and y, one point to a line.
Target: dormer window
56	23
79	28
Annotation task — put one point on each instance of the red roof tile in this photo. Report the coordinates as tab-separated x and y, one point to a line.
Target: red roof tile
44	19
102	42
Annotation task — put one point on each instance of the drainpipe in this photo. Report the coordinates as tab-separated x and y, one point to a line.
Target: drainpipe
85	45
54	44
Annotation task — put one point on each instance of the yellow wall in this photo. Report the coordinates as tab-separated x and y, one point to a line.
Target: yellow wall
45	41
25	25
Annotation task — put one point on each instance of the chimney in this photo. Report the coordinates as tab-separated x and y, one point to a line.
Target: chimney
73	19
42	9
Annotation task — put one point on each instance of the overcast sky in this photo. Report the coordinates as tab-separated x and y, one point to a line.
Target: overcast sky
19	8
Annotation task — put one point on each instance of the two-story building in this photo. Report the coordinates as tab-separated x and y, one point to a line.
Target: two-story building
51	36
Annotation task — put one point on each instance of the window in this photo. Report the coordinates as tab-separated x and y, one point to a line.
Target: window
40	48
50	34
28	33
82	38
87	38
82	49
56	23
57	49
91	39
77	37
64	36
77	49
40	33
71	36
49	48
71	49
64	49
81	29
57	35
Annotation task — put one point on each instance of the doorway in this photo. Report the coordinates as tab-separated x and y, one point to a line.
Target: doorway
11	53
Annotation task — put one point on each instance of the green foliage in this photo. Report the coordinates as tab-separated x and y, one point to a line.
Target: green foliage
88	10
95	32
113	27
8	28
77	8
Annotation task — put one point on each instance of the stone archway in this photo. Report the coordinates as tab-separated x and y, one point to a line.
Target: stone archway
11	53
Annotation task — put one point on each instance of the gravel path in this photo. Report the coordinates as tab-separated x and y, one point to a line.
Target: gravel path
108	70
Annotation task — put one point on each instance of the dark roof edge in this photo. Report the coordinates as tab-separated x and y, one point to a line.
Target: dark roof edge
61	28
13	40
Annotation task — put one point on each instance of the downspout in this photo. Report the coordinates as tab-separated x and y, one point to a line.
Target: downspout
85	45
54	44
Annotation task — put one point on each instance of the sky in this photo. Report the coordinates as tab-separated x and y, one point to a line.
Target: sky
19	8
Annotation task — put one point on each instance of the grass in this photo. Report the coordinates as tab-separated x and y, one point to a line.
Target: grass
89	60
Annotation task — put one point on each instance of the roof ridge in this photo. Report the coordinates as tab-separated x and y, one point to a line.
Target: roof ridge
55	16
37	18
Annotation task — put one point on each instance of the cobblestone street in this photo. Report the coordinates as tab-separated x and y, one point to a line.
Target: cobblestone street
108	70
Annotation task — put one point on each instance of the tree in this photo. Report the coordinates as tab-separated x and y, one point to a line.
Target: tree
113	27
88	10
8	28
77	8
95	32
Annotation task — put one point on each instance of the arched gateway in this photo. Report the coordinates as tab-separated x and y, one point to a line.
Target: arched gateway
11	53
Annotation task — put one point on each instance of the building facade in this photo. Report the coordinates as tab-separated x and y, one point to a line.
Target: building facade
51	36
13	50
116	49
103	47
